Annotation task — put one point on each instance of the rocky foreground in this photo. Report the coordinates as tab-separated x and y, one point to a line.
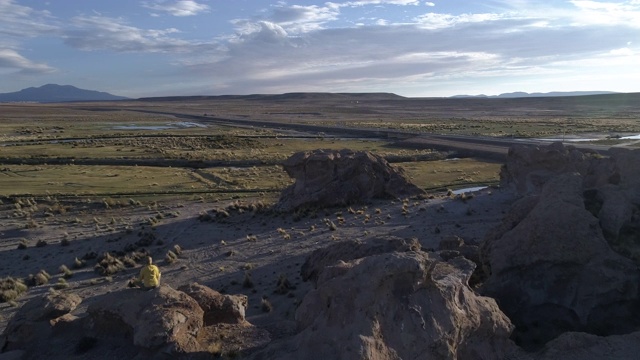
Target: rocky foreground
558	278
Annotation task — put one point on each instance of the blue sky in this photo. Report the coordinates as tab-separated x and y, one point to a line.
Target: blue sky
408	47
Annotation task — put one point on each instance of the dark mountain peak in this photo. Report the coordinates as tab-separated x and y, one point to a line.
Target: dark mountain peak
57	93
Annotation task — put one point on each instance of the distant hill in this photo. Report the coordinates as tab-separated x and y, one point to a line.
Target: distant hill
57	93
521	94
284	97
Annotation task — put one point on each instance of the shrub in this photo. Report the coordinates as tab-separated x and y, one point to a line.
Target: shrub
108	265
22	244
41	243
171	257
283	285
266	305
61	284
64	270
65	242
248	281
11	289
41	278
78	264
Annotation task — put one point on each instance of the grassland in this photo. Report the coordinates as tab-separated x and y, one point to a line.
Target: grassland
144	148
67	150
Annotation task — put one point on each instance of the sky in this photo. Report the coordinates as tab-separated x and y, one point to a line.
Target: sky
412	48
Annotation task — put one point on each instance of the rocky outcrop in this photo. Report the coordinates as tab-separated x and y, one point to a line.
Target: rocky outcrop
159	320
551	269
320	259
528	168
611	185
398	305
217	308
33	322
325	178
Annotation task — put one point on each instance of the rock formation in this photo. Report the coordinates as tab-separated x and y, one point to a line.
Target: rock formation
33	322
551	269
217	308
161	319
325	178
397	305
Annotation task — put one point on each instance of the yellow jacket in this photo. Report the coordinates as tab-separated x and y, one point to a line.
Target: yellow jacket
150	276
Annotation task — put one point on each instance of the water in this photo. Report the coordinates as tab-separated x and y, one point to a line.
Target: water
632	137
178	125
468	190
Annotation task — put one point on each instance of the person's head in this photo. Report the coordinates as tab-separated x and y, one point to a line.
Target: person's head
149	260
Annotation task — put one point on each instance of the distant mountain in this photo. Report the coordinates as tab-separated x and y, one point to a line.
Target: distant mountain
57	93
284	97
521	94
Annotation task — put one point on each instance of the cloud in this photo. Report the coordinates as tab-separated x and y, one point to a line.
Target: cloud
12	60
22	21
178	8
270	56
104	33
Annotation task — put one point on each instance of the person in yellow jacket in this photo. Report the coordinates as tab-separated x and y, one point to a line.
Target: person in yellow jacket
149	275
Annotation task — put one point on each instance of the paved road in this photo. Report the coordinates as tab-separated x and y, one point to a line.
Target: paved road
467	146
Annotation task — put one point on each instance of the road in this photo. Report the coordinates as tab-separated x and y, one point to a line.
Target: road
464	146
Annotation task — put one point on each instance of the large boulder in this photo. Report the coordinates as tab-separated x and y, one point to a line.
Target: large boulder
551	269
159	320
528	168
218	308
320	259
325	178
398	305
33	321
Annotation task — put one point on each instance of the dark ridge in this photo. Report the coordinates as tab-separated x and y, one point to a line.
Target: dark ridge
51	93
284	97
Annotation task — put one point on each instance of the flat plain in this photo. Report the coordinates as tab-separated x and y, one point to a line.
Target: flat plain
86	178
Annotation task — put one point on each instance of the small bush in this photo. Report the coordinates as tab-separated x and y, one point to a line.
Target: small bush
109	265
41	278
23	244
248	281
171	257
266	305
11	289
61	284
283	285
41	243
64	270
79	264
65	242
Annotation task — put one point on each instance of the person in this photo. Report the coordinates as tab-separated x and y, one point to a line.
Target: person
149	276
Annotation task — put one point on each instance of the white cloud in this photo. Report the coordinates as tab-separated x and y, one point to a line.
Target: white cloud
12	60
178	8
23	21
427	3
99	32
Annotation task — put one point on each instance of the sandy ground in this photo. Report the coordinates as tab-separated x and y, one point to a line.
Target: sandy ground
219	253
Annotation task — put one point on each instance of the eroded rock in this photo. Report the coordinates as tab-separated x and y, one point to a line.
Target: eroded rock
551	269
325	178
217	308
399	305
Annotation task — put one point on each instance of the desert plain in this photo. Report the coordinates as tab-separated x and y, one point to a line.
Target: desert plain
193	182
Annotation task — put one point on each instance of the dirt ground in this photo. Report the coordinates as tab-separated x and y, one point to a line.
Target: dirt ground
220	253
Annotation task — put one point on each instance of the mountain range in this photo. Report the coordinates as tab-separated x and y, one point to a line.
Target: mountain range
57	93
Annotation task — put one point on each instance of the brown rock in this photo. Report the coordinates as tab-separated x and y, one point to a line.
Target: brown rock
397	306
161	319
325	178
217	308
551	270
32	321
350	250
